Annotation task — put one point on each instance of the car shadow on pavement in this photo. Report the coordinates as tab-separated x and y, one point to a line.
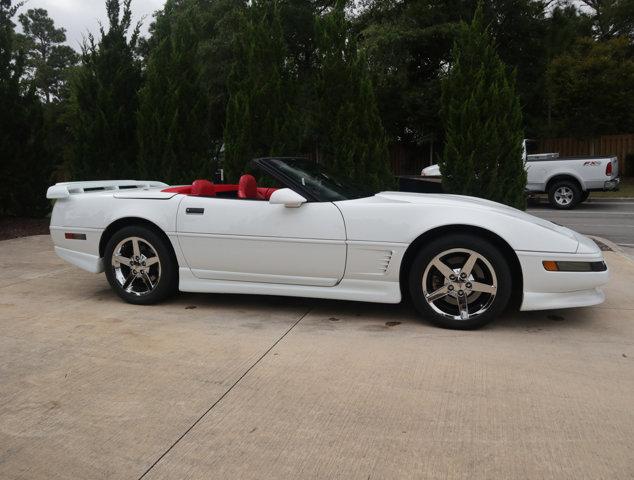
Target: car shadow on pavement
562	319
376	316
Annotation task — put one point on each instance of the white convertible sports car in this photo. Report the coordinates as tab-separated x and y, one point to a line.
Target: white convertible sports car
461	260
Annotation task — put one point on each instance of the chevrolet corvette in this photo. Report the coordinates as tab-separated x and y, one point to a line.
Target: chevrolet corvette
460	260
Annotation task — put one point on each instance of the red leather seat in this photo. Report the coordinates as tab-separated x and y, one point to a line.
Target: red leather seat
203	188
248	188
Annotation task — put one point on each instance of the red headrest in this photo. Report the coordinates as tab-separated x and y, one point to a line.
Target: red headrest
203	188
248	188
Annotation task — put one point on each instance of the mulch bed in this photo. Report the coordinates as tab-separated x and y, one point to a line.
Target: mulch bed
12	227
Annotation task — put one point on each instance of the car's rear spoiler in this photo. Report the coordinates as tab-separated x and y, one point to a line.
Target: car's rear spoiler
66	189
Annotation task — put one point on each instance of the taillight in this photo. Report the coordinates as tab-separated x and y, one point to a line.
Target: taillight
608	168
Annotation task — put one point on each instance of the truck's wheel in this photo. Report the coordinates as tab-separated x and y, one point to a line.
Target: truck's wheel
584	196
564	194
460	281
140	266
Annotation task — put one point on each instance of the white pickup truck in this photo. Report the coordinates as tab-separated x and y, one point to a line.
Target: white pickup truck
568	181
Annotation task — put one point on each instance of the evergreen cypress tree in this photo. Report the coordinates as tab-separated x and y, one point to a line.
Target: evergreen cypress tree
261	120
350	135
24	162
104	101
175	139
483	122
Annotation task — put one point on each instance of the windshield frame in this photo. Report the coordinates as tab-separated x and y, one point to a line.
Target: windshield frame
268	165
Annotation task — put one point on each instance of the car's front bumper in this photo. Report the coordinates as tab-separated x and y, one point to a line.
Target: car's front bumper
545	290
552	301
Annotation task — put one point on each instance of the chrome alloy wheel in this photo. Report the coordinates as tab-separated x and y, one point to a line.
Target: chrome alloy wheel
136	266
459	284
564	196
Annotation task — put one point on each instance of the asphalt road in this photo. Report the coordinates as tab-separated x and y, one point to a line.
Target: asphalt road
611	220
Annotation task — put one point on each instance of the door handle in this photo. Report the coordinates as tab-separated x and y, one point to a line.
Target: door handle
194	211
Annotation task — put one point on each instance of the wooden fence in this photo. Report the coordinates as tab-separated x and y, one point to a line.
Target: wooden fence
619	145
408	159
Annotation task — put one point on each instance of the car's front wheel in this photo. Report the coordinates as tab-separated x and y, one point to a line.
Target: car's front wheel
460	282
140	266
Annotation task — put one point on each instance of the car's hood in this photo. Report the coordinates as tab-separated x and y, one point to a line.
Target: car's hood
442	199
481	209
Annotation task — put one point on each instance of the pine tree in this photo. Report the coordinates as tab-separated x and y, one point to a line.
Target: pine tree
350	135
104	100
48	58
261	119
483	122
174	138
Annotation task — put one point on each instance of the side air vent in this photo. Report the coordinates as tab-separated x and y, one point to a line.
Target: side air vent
385	261
369	260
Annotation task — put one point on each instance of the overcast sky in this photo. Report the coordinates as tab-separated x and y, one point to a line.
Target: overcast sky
81	16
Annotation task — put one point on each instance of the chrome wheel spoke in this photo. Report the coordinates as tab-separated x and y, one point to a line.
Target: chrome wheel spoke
135	248
483	287
121	260
463	307
127	286
469	264
443	268
438	294
151	261
147	281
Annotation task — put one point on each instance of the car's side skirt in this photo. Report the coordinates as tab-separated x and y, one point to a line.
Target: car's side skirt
347	289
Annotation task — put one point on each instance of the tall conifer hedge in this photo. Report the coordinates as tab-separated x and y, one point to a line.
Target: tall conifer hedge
483	122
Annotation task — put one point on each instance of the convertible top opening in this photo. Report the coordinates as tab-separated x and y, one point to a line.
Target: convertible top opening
246	189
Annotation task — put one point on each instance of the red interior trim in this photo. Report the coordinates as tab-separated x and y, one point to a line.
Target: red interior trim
187	189
184	189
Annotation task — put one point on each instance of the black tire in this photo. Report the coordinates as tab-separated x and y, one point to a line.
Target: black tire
164	272
584	196
442	312
564	194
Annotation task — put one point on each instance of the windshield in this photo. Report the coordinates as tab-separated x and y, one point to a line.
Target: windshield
318	183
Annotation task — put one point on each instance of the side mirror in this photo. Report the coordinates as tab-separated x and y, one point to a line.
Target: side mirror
287	197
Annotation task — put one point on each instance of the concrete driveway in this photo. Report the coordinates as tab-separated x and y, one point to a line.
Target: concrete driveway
219	386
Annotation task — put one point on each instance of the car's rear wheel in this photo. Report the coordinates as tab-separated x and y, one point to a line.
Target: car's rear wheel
460	282
564	194
140	266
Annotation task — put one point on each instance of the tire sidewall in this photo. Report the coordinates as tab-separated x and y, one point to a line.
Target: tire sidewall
484	248
576	194
168	282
